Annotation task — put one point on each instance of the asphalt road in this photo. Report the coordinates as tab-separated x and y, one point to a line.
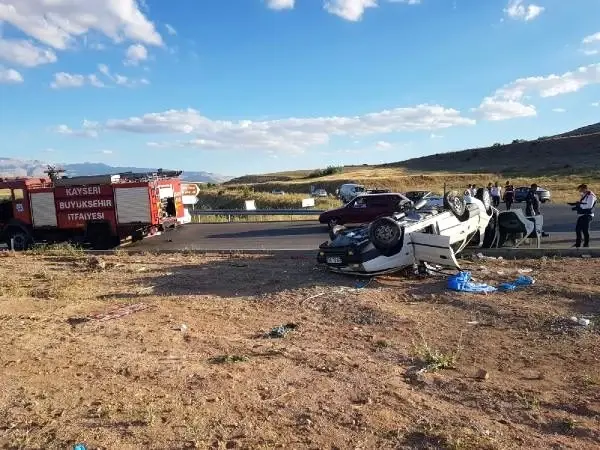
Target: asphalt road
559	222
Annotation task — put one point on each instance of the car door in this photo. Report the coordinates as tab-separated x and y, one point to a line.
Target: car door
433	249
355	210
377	206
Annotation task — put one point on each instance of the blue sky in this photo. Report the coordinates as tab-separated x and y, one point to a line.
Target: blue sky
250	86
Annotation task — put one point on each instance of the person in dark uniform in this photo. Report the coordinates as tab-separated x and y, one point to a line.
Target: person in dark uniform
585	210
509	195
532	201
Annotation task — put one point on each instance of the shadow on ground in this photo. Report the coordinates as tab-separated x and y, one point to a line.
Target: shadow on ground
239	277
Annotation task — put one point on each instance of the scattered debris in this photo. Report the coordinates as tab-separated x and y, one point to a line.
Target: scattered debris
489	258
96	263
524	271
113	314
482	374
281	331
473	322
361	284
228	359
586	256
183	328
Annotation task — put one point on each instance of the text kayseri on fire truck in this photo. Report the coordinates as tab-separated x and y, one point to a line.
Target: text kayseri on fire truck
86	190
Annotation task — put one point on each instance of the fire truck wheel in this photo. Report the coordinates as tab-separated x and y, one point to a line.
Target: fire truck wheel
19	241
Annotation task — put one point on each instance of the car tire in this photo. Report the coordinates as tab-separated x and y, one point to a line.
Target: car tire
486	198
386	235
457	205
20	239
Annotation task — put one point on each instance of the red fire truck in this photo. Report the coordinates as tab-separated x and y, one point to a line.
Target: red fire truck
96	210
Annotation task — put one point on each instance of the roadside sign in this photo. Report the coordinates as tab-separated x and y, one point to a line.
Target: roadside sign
308	202
250	205
190	189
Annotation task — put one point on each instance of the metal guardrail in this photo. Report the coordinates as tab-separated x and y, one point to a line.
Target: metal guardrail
258	212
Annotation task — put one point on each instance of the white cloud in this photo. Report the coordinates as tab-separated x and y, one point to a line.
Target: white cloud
559	110
171	29
120	80
58	23
553	85
24	53
495	109
591	39
106	152
351	10
64	80
383	145
507	102
10	76
518	10
435	136
291	134
88	130
94	81
135	54
590	52
596	104
103	68
280	4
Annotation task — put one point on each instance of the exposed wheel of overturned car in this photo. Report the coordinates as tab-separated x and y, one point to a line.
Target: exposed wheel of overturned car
457	205
386	235
486	198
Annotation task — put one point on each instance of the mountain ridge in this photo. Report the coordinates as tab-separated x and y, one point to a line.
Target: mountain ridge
13	167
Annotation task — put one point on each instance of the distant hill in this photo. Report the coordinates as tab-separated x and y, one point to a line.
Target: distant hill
576	151
22	168
590	129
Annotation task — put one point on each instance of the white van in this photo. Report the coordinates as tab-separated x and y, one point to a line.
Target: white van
348	191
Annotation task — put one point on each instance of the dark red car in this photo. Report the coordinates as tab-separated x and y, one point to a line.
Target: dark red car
364	209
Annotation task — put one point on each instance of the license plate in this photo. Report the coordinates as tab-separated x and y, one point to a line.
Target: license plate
334	260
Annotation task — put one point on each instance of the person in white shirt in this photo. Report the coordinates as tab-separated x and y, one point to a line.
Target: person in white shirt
585	210
496	192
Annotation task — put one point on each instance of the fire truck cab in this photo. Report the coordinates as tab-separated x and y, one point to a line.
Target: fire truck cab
97	210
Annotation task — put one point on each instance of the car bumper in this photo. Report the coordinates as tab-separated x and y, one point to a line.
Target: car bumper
348	256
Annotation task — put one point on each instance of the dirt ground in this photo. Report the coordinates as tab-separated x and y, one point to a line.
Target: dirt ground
191	367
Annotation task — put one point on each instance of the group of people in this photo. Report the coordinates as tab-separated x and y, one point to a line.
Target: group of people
497	193
584	207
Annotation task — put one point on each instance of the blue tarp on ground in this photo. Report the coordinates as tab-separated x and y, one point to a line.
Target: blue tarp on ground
462	282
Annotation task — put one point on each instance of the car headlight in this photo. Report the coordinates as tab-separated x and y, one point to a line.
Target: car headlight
350	252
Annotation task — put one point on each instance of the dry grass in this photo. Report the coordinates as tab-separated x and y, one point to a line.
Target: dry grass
196	370
234	198
563	188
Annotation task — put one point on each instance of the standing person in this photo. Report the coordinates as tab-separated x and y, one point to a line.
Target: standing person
474	190
585	211
496	192
532	201
509	195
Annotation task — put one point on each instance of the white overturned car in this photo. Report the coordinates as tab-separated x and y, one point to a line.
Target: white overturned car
419	233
